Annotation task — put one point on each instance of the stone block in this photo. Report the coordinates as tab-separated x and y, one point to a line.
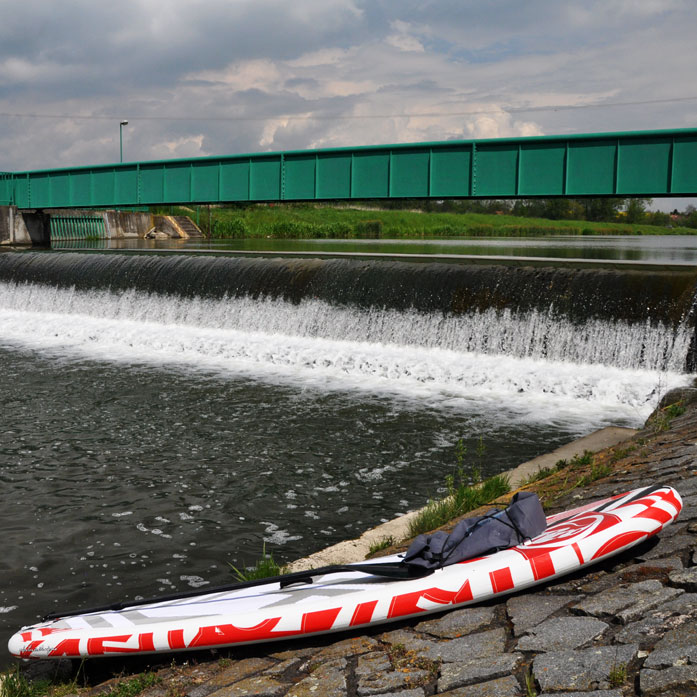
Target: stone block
673	656
594	693
649	630
477	670
582	670
239	670
327	680
458	623
526	611
677	680
503	687
686	578
481	645
627	602
670	546
349	647
562	633
257	686
379	683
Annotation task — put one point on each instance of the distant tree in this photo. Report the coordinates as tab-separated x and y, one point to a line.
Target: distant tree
636	209
559	209
530	207
690	219
603	209
658	218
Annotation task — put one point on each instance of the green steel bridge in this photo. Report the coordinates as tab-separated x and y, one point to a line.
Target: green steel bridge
646	163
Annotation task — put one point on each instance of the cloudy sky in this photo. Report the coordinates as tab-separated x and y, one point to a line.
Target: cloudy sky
206	77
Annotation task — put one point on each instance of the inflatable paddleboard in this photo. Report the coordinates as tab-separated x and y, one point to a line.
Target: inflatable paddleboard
343	600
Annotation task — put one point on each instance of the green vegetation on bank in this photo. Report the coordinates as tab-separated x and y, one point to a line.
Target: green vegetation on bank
356	221
465	491
264	567
14	684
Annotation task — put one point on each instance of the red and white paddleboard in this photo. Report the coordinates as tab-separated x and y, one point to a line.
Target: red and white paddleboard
342	600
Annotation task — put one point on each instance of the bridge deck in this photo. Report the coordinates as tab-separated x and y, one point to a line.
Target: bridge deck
648	163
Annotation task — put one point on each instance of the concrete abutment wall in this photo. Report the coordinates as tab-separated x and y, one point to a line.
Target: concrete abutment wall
33	227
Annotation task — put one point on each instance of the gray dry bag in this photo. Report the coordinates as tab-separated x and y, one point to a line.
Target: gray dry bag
480	535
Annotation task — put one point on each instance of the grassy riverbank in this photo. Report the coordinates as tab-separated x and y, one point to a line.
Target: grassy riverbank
337	221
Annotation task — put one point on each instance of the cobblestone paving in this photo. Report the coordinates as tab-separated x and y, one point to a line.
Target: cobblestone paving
627	627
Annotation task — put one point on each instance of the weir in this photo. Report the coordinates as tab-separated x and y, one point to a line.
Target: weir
626	319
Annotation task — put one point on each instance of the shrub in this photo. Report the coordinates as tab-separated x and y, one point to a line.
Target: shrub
368	229
234	228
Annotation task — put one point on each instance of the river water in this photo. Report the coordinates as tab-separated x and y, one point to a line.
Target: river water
663	249
152	439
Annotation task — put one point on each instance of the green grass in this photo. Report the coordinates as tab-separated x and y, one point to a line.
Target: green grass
544	472
466	499
381	544
14	684
618	675
337	221
263	568
131	687
598	471
662	420
530	687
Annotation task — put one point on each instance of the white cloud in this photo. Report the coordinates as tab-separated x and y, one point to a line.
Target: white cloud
257	74
403	38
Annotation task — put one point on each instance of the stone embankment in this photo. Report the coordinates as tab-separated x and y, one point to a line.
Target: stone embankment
625	627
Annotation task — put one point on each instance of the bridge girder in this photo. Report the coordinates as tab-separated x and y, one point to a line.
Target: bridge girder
631	164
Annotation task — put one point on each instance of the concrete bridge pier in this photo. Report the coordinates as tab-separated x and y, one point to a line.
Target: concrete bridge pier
24	227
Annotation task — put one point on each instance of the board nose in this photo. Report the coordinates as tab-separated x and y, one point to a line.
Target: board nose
16	645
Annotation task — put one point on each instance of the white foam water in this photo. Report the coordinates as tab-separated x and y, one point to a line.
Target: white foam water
539	366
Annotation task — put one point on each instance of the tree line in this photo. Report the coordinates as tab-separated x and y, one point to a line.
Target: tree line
608	210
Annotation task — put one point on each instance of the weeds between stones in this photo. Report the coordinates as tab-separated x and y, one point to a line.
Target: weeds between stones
618	675
597	471
530	687
661	420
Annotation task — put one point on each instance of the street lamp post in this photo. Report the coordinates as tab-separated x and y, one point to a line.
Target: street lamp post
121	125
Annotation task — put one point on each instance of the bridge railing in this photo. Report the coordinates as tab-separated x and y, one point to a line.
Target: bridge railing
650	163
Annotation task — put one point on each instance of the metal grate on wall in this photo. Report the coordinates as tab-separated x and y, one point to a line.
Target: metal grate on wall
78	228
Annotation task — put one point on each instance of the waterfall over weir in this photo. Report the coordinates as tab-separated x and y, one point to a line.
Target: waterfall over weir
428	329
